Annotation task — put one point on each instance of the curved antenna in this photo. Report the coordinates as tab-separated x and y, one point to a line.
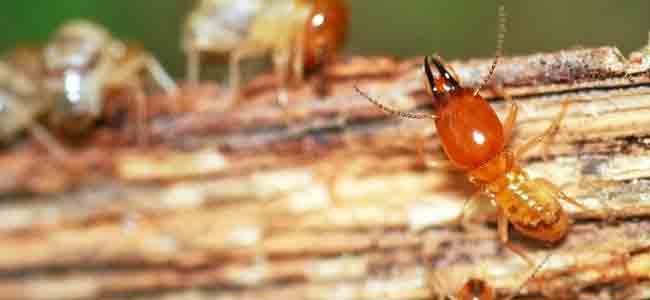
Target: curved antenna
393	111
532	275
501	34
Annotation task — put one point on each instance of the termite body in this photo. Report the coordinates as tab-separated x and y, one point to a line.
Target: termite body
301	35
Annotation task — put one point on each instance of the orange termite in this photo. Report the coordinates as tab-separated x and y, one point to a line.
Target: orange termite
479	289
474	140
301	35
476	289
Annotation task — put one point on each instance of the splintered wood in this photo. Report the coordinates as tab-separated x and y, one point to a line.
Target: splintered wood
328	199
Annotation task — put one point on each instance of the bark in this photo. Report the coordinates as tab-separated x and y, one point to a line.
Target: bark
328	198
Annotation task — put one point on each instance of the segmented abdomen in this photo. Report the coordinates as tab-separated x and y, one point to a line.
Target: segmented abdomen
529	202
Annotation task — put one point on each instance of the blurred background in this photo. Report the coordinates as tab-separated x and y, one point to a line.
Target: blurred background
455	29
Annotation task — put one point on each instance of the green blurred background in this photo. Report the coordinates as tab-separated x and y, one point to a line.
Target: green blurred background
455	29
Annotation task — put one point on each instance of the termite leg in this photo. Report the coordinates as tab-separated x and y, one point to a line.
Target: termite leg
502	224
161	77
438	285
298	63
140	102
426	160
550	130
331	180
193	66
466	225
43	137
159	74
62	157
460	219
164	81
234	71
511	119
607	212
323	80
281	70
352	169
234	76
151	65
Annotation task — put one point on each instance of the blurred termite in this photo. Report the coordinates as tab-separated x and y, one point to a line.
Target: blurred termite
474	140
83	62
301	35
22	99
476	288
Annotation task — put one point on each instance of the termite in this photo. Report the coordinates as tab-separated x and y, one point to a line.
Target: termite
474	140
22	99
477	288
302	35
83	61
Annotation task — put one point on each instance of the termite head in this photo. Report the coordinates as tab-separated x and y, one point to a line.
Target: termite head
77	44
476	289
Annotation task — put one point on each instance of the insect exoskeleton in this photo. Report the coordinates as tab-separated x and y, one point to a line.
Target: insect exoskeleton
299	34
82	62
21	97
477	287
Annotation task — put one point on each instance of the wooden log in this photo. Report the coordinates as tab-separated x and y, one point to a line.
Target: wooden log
328	198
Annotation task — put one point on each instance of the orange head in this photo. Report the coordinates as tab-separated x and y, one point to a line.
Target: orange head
325	32
469	129
476	289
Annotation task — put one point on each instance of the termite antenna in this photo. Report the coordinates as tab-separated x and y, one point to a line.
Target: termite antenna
532	275
393	111
501	34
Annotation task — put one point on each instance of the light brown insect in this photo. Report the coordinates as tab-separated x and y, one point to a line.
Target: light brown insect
83	61
476	288
23	100
300	34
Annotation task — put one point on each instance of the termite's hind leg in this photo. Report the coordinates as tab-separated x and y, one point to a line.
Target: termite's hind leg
439	286
502	224
234	71
606	213
463	222
43	137
160	75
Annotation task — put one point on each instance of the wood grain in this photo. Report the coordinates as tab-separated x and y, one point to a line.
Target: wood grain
327	198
